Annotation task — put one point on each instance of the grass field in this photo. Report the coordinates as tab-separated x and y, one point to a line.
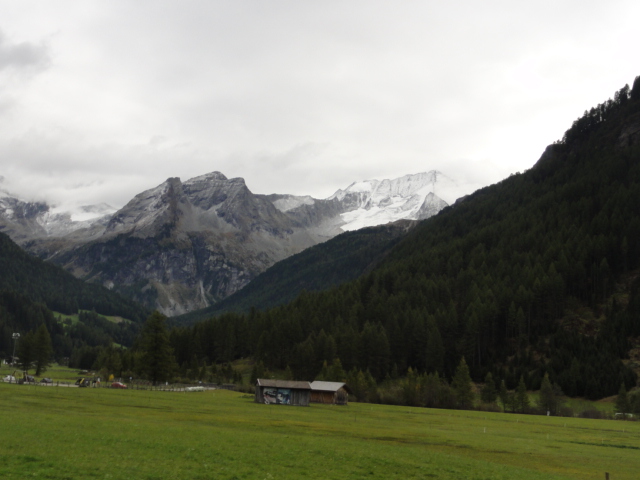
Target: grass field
71	433
57	372
75	317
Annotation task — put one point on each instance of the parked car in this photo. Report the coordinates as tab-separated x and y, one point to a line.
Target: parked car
118	385
46	380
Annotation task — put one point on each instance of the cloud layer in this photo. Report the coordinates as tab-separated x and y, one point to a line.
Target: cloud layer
101	100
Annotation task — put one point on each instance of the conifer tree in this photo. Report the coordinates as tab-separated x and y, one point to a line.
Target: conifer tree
489	393
335	372
26	351
547	399
194	368
504	395
42	349
157	361
410	389
634	403
435	348
258	371
461	384
324	372
622	401
357	382
522	399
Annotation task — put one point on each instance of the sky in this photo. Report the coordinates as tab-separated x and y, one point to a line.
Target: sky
100	101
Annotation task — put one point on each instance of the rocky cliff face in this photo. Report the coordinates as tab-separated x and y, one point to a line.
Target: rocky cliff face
182	246
19	219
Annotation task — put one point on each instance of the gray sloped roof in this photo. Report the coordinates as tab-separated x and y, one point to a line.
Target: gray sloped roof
267	382
329	386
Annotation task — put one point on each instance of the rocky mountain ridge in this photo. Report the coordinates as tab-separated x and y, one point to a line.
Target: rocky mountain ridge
25	220
182	246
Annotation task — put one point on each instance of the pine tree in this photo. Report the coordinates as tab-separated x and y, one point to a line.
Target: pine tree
258	371
42	349
622	401
336	373
157	361
194	368
461	384
410	389
371	386
522	399
504	395
547	400
288	374
109	361
356	381
26	351
324	372
435	348
634	402
489	393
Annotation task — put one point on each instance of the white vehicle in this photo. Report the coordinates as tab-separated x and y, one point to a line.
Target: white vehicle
194	389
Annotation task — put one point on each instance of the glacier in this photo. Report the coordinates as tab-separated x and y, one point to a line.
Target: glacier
376	202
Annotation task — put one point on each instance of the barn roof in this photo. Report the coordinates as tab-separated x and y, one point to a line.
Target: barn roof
329	386
267	382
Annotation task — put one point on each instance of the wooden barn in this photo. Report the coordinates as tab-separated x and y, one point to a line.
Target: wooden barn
283	392
336	393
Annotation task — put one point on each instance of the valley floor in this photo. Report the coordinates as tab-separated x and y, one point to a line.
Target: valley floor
63	433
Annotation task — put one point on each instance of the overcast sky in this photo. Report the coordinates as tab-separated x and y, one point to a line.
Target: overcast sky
100	100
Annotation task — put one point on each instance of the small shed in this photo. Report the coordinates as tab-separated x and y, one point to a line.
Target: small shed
283	392
336	393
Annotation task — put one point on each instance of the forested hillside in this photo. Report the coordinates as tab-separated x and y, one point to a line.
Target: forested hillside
58	289
336	261
31	290
537	274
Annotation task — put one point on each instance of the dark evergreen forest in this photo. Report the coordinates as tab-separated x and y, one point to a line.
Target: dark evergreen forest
535	275
30	289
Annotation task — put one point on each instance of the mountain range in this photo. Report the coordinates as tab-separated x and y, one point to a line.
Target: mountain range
183	246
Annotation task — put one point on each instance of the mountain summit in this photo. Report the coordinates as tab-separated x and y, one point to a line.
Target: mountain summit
368	203
373	202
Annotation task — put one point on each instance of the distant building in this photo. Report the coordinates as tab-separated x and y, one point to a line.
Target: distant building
336	393
283	392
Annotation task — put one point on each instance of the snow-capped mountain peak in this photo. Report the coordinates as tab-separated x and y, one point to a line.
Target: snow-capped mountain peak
376	202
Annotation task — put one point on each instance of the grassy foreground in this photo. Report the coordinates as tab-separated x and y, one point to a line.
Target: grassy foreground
71	433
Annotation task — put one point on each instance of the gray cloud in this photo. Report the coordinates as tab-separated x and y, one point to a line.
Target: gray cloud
23	55
296	97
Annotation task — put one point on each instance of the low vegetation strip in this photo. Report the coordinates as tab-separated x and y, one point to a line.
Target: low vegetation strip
102	433
602	444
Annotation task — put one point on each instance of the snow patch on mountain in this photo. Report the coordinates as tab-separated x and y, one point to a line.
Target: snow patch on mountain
376	202
40	219
289	202
86	213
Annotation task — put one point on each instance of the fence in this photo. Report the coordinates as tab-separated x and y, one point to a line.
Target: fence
132	385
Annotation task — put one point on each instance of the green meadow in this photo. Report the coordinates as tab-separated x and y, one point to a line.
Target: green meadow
72	433
75	318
